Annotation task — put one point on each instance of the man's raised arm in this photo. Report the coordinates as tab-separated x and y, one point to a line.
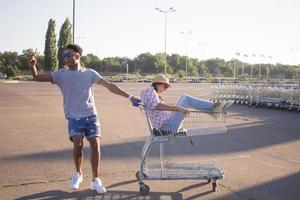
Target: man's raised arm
34	72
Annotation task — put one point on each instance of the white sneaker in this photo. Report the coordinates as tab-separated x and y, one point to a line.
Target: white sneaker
77	178
217	110
97	185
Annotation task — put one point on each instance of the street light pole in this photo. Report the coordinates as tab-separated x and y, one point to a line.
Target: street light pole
253	55
246	56
259	68
203	66
73	21
186	44
268	67
234	69
165	12
234	65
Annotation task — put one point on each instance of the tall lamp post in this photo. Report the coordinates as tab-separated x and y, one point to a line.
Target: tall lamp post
165	12
186	33
251	70
73	21
259	67
203	45
234	65
243	69
268	67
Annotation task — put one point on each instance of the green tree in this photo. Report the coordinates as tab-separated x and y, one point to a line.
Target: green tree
215	65
111	64
65	38
145	63
9	58
159	63
193	65
174	62
91	61
2	67
50	47
12	71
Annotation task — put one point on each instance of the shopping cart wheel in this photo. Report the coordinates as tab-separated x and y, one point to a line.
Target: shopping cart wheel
144	189
214	186
137	175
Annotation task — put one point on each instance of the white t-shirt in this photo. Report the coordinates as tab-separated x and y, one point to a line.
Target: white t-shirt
77	91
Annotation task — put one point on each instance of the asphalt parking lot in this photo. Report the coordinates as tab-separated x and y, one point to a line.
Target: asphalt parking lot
260	153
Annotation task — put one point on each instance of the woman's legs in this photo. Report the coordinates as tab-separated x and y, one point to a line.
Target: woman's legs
186	101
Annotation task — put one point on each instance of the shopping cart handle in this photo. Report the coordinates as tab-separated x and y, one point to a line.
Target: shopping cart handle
137	103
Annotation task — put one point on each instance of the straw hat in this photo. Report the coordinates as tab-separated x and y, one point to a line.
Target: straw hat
161	79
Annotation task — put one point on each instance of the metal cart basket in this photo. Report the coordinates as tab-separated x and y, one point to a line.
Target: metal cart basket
197	123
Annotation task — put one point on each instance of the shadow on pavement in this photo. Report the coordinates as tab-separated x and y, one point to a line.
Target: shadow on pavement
117	194
110	195
282	188
255	136
122	183
257	128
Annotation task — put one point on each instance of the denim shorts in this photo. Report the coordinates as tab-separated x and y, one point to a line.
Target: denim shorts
88	127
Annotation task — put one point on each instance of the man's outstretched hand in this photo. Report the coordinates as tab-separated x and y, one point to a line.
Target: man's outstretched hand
135	101
32	61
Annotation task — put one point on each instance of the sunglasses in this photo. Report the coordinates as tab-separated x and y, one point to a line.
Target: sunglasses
67	54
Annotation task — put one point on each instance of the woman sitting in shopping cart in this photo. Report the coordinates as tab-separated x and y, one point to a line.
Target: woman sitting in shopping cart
169	117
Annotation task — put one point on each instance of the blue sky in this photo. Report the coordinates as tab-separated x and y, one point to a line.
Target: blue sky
130	27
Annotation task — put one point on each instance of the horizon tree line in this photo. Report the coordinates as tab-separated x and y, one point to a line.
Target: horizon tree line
13	64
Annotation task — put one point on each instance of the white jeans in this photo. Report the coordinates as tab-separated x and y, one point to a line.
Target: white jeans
186	101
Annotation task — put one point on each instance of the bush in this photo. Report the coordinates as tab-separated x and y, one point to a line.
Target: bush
2	68
181	74
243	77
12	71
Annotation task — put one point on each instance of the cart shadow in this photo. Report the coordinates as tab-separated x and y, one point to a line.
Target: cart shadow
197	196
197	185
179	192
122	183
110	195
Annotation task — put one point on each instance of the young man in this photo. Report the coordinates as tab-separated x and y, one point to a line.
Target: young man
76	84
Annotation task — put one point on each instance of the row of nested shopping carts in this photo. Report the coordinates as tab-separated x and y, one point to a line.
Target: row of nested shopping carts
286	96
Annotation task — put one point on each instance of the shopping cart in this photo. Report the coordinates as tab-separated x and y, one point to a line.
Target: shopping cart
216	92
197	123
295	99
